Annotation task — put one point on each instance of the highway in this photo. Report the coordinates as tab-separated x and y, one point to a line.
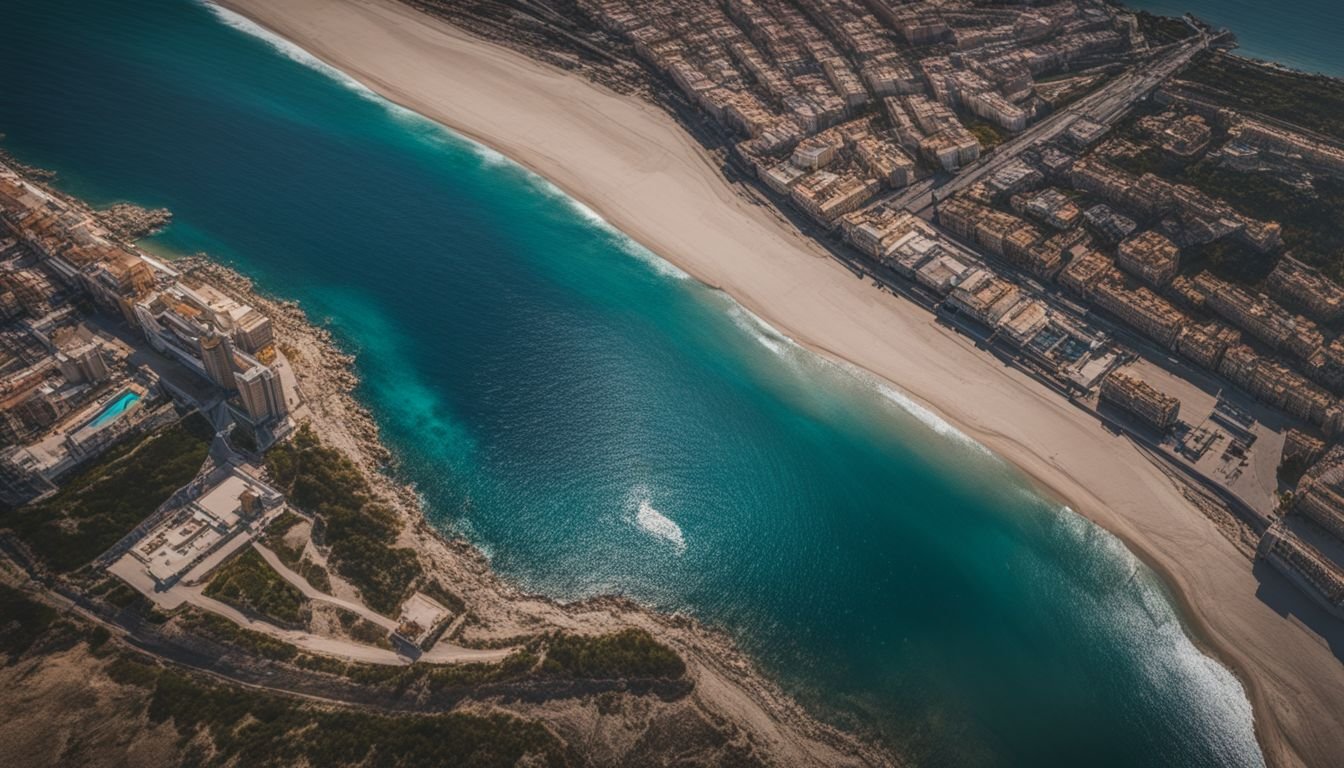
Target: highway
1104	105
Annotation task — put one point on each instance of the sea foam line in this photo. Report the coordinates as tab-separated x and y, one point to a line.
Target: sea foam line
767	335
289	50
932	420
764	333
784	346
299	55
489	157
594	219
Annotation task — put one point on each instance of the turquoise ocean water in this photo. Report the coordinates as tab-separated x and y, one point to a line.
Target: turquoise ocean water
1302	34
597	422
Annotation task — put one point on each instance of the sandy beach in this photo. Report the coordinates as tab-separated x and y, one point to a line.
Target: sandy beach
633	165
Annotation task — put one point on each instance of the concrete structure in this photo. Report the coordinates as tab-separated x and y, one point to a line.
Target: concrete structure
216	354
1261	317
262	393
1150	257
1138	398
226	505
1295	283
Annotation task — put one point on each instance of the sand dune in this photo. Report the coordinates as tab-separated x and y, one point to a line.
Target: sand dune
633	165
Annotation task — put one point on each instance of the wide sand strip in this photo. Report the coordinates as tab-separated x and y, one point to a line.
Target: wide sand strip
631	163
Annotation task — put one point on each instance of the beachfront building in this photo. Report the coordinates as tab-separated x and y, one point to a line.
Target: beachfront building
1204	344
984	296
209	333
261	390
1261	317
1319	575
1140	399
74	436
1275	383
1320	494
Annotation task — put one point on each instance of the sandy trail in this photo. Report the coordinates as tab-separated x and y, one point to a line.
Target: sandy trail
633	165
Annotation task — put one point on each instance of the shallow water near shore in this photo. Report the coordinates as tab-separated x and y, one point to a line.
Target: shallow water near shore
598	422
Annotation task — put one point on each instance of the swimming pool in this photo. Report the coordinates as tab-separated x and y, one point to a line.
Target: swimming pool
114	409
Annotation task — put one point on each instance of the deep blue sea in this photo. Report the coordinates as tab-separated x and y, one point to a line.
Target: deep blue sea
597	422
1302	34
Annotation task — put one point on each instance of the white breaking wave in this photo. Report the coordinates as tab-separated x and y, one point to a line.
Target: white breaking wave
489	157
787	349
627	243
655	523
927	417
764	333
290	50
301	57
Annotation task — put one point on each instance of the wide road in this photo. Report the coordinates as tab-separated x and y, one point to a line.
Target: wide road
1104	105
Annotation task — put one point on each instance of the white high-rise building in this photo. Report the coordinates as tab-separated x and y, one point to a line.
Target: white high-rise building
262	393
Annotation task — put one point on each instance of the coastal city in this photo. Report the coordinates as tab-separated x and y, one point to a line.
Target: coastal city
1109	204
1003	167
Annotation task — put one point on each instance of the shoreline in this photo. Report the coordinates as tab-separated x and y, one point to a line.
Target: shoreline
727	683
1113	485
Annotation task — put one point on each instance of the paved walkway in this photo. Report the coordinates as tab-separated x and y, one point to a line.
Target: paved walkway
441	653
313	593
131	571
308	641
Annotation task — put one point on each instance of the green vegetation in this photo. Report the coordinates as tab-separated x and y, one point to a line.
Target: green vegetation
224	631
362	630
293	557
222	725
278	528
247	583
314	574
22	622
254	729
1311	101
361	532
106	500
988	135
1291	469
432	678
1312	219
447	598
625	654
629	654
115	592
1160	30
243	439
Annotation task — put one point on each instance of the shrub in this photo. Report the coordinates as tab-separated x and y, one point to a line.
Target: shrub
246	582
107	499
22	621
260	729
360	532
625	654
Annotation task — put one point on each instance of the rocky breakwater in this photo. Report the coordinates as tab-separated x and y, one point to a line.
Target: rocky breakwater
128	222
